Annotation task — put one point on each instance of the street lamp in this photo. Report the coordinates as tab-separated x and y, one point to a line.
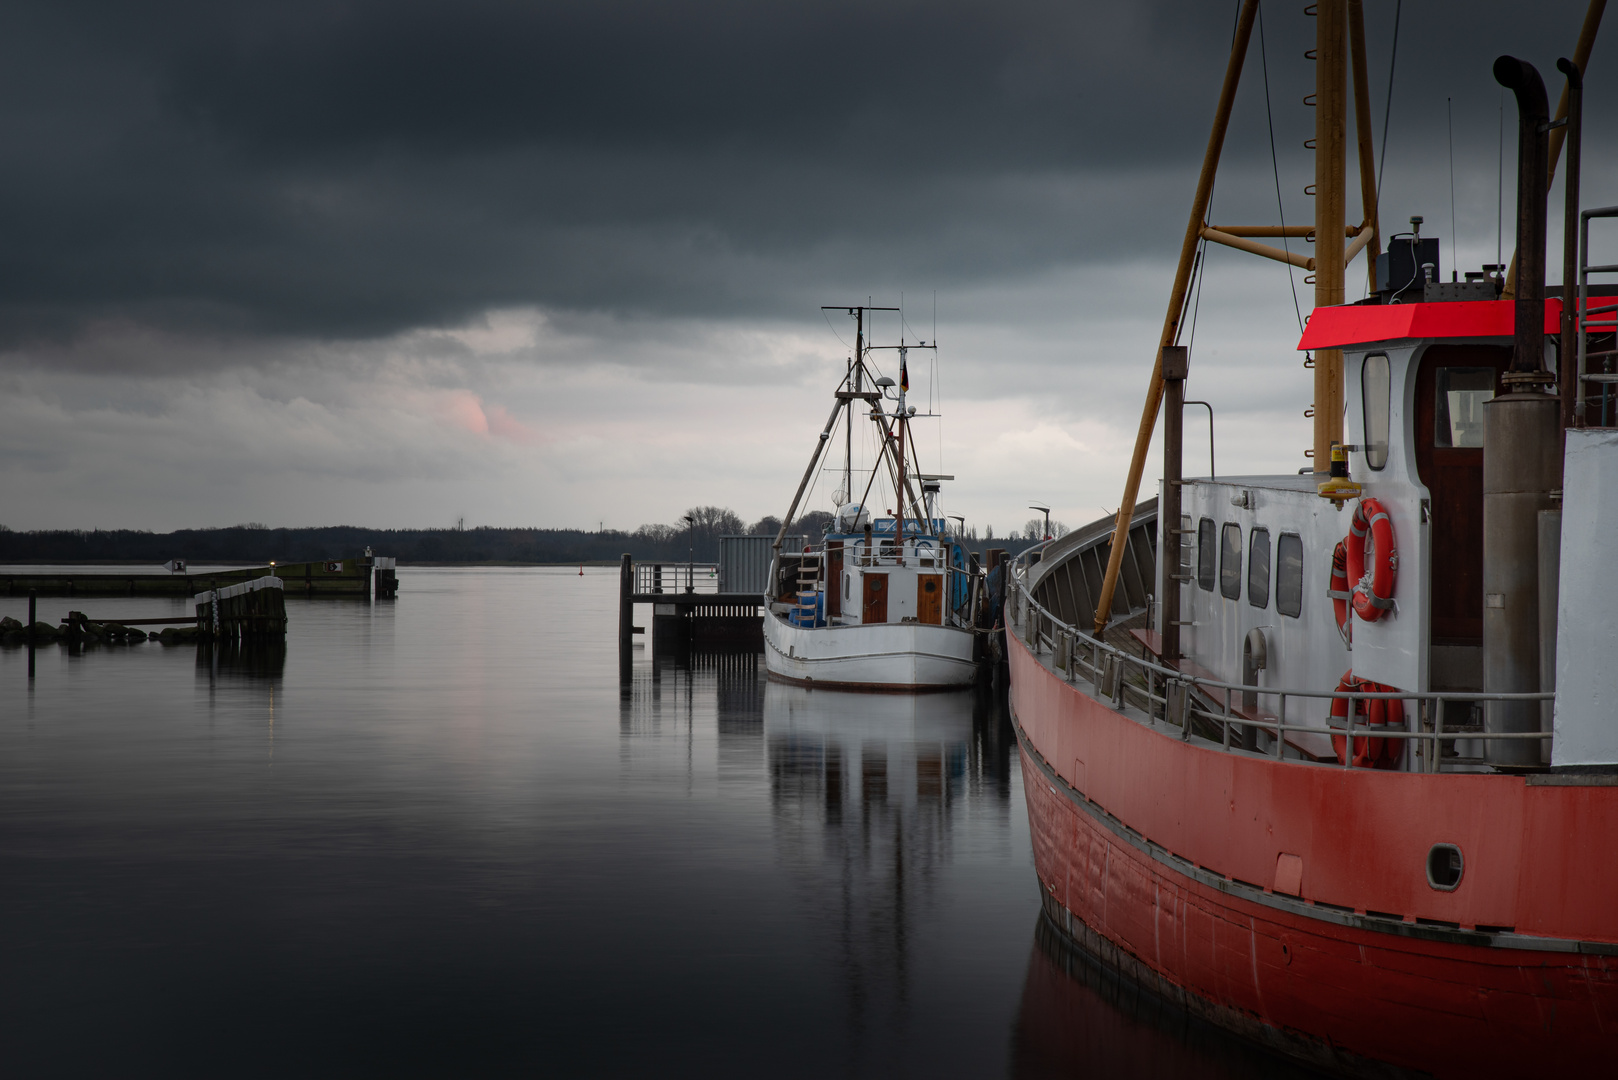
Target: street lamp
1047	512
690	553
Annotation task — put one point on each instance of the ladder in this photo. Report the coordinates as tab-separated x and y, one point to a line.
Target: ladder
809	569
1606	401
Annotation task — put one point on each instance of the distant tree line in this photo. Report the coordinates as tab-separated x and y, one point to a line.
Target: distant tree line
695	536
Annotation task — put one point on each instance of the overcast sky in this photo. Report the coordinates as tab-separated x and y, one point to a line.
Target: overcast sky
559	264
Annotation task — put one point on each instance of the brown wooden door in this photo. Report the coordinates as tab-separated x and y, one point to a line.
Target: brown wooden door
834	578
875	606
930	598
1451	384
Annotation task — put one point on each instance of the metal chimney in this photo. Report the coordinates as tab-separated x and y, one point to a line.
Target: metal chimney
1521	439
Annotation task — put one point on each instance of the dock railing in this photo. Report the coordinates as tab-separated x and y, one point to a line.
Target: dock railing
1182	699
676	577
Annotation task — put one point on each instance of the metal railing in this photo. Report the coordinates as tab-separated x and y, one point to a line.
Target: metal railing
1585	325
1172	695
676	577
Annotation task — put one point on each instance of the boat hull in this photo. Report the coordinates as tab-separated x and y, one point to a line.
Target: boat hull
898	657
1135	837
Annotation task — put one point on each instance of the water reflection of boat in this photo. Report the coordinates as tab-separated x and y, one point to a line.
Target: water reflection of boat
1079	1018
868	792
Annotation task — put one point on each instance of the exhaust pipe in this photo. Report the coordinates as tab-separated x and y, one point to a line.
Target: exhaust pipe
1521	439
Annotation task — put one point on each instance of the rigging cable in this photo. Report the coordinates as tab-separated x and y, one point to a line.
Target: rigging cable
1275	167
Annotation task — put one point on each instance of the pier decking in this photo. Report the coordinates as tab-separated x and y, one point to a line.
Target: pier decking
335	577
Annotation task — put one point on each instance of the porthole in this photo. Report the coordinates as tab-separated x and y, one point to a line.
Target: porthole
1444	867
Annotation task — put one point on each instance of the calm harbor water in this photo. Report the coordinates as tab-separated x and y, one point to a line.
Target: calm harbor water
437	837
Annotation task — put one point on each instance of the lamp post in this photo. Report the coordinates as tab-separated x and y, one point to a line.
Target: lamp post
690	553
1047	512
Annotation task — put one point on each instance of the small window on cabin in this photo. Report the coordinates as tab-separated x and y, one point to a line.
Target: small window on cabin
1258	568
1289	575
1459	394
1374	390
1230	561
1205	554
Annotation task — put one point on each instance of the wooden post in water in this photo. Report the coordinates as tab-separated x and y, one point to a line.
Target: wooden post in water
33	598
626	616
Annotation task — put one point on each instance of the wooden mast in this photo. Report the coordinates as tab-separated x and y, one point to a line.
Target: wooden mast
1176	309
1362	128
1331	100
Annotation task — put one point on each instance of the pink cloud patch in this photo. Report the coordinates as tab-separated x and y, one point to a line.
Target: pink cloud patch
465	411
503	425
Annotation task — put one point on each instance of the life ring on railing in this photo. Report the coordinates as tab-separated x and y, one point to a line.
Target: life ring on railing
1337	589
1373	587
1370	717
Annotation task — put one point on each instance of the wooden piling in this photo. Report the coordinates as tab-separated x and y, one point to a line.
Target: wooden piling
251	609
626	616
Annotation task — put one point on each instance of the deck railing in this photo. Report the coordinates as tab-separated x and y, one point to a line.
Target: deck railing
1181	699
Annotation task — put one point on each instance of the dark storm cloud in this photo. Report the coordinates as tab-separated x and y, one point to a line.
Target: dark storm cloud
352	170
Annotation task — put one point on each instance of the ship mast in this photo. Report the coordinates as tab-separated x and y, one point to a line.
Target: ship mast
856	371
1340	23
899	494
1331	111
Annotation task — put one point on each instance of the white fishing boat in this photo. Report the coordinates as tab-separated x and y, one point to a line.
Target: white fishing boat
878	603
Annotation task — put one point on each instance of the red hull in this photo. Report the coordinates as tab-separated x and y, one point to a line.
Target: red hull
1163	858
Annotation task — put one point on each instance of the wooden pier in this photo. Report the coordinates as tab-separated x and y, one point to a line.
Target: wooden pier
334	577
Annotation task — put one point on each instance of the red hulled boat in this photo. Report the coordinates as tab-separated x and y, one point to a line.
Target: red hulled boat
1331	759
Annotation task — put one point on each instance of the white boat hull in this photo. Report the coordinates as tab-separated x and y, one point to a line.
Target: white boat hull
877	656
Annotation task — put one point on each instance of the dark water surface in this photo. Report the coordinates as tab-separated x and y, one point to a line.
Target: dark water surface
436	837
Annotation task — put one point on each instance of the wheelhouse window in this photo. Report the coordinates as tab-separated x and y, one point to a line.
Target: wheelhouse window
1374	394
1289	575
1258	568
1205	554
1230	561
1458	405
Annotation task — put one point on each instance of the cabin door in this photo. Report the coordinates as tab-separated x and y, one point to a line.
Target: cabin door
1452	384
834	578
930	598
874	609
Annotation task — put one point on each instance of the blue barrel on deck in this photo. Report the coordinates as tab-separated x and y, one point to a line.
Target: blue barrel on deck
960	589
810	610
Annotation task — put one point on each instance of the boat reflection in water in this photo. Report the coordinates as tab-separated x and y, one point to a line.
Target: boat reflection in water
1079	1018
874	799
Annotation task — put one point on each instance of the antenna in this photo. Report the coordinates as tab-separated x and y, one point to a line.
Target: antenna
1500	183
1455	256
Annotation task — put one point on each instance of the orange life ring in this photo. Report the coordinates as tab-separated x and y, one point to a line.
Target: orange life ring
1338	589
1370	717
1373	588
